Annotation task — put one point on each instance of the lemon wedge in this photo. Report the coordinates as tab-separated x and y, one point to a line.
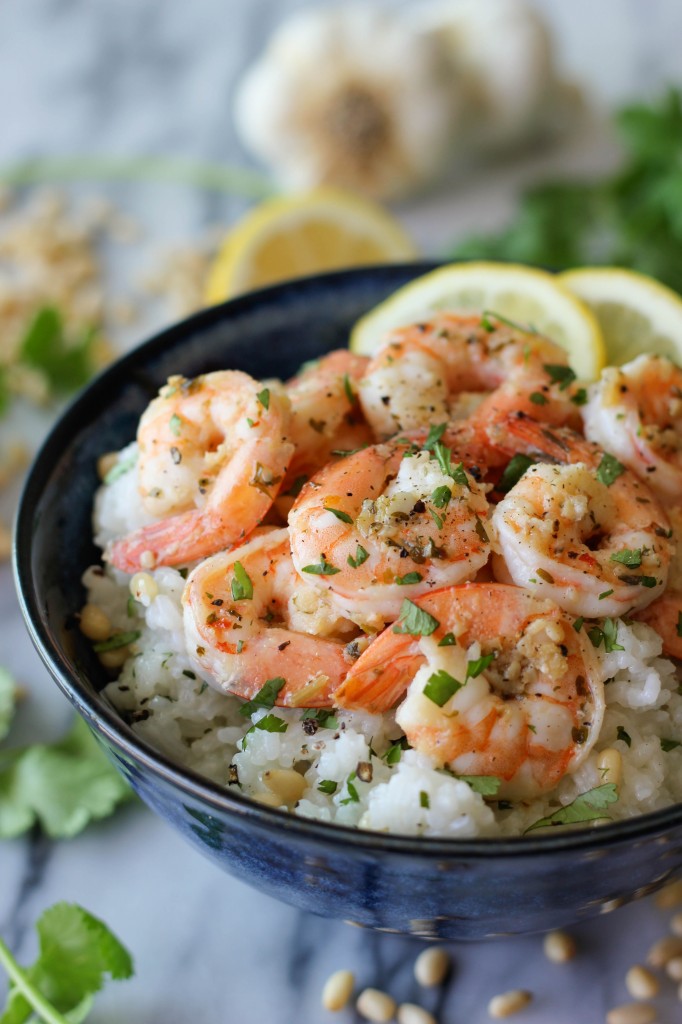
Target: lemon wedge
530	297
636	314
291	236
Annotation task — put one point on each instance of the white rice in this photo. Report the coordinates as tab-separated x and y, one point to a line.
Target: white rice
181	715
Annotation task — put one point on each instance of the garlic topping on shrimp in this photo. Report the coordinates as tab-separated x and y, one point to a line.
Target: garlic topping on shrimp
664	615
498	684
583	530
212	454
250	618
417	376
390	522
635	412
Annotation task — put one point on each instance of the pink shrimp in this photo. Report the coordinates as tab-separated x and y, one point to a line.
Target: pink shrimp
250	619
212	454
498	684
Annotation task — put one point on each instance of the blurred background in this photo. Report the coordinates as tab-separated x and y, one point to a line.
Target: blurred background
138	134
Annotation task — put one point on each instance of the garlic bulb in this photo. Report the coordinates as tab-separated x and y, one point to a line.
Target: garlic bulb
352	97
503	53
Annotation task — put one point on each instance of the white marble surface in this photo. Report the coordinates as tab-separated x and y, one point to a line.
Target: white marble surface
154	76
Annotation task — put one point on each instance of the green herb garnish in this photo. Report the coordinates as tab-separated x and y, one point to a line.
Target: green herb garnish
621	734
322	568
537	398
327	786
441	686
441	496
350	394
325	718
241	586
449	640
668	745
264	398
514	470
414	620
608	635
609	469
117	640
561	375
630	557
486	785
360	556
424	799
265	698
588	806
343	516
410	577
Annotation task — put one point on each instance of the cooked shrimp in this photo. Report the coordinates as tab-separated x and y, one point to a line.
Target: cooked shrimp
635	412
390	522
583	530
325	411
213	453
418	375
250	618
500	684
665	614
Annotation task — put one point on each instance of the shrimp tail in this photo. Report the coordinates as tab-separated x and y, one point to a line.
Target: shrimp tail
381	680
519	432
172	541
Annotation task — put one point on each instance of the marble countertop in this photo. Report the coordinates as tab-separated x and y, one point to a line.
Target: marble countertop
155	76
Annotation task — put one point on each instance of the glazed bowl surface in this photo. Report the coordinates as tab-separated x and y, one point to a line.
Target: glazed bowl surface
436	888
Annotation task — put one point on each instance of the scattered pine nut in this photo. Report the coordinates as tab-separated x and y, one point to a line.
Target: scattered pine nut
673	968
641	983
559	947
375	1005
94	623
144	588
431	966
508	1003
676	924
610	763
410	1013
115	658
669	896
285	783
337	990
631	1013
663	950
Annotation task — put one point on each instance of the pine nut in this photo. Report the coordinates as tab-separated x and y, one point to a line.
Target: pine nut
559	947
641	983
610	764
431	966
147	559
663	950
676	925
269	799
410	1013
105	463
508	1003
115	658
374	1005
286	783
144	588
669	896
94	623
631	1013
337	990
673	968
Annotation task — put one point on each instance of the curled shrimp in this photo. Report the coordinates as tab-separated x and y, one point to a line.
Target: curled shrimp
664	615
390	522
498	684
250	618
417	376
635	412
580	529
325	412
212	454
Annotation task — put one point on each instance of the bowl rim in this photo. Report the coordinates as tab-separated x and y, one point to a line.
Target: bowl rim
103	719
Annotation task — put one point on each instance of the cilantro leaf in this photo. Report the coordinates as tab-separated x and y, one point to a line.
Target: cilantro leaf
327	786
415	620
630	557
434	435
62	786
588	806
76	951
67	363
8	689
474	668
441	496
608	635
360	556
609	469
339	513
321	568
448	640
264	398
561	375
410	577
265	698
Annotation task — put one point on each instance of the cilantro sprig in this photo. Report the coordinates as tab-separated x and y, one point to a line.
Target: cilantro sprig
76	952
589	806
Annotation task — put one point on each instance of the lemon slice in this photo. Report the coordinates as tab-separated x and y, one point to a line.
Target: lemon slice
528	296
290	236
636	313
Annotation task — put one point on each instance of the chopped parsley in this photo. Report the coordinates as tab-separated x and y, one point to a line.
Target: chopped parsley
265	698
537	398
561	375
360	556
609	469
175	424
270	723
608	635
415	621
322	568
264	398
242	587
434	435
514	470
441	496
352	797
122	467
474	668
668	745
395	751
621	734
117	640
580	397
410	577
339	513
632	557
449	640
604	593
486	785
424	799
347	387
441	686
327	786
325	718
578	624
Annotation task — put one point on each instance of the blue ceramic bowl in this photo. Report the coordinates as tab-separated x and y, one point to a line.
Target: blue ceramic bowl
430	887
